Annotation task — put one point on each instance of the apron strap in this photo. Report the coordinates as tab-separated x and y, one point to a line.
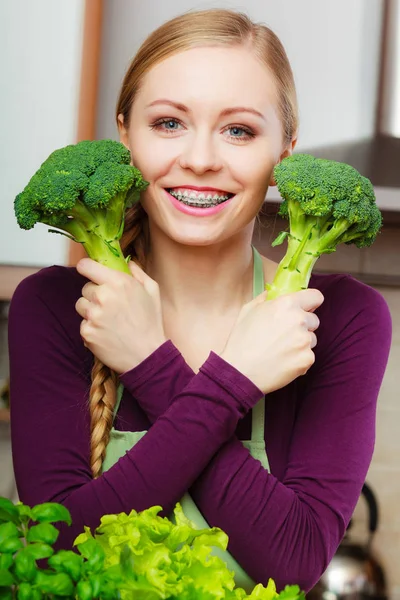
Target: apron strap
258	411
258	273
120	391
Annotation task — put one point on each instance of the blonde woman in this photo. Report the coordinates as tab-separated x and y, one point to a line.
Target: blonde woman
181	383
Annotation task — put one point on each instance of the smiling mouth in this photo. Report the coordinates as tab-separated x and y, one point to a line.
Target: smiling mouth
204	199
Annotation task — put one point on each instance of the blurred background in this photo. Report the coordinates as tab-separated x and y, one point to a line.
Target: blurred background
62	64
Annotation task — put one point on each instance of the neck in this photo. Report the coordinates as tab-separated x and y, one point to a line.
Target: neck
216	278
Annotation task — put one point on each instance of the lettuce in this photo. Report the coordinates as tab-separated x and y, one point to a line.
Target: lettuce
155	558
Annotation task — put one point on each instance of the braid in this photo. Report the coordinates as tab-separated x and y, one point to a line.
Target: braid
103	395
103	391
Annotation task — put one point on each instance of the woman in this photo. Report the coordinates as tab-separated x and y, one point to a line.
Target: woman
207	109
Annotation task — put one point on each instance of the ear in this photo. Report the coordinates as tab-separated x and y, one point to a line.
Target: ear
123	132
287	152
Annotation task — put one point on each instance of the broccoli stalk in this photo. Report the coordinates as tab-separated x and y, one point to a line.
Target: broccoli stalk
327	203
84	190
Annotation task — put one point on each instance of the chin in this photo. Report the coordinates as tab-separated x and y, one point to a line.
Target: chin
193	241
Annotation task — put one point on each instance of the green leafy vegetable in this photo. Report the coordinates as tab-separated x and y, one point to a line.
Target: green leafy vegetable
140	556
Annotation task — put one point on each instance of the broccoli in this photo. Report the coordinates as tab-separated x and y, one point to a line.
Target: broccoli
83	190
327	203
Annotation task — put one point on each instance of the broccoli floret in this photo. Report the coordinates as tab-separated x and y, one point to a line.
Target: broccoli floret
327	203
84	190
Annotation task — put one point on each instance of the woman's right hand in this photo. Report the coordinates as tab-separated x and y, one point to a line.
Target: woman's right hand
271	342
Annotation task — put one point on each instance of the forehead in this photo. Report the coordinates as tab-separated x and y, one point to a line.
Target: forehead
214	75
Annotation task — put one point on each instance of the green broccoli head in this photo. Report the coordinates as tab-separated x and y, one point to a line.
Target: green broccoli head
327	203
84	190
334	193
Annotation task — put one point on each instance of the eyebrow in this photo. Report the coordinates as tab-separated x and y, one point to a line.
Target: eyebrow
224	113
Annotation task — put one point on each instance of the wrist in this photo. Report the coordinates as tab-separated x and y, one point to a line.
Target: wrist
242	367
132	361
243	387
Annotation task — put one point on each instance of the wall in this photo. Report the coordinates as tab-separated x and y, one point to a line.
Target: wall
333	48
40	61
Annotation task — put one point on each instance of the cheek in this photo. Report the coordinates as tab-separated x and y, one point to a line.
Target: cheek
255	180
151	156
253	170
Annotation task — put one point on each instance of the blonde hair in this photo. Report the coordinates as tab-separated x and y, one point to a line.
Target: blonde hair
214	27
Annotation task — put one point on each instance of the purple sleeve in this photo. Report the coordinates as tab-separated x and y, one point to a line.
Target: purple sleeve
157	379
50	429
290	529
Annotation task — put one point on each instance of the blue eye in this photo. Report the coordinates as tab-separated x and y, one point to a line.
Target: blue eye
169	125
236	131
239	133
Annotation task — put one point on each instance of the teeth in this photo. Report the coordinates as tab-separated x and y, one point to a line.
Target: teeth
201	199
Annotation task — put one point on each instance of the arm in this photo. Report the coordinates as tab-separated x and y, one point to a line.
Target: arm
50	429
158	379
290	529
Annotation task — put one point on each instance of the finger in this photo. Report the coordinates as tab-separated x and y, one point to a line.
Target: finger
82	307
97	272
82	330
309	299
89	290
313	340
312	321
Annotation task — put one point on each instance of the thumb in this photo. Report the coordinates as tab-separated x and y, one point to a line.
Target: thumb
136	271
149	284
259	299
246	308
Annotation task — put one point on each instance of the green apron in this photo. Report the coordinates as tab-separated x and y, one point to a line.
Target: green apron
122	441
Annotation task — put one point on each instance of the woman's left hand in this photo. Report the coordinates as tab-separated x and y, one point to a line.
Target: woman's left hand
122	318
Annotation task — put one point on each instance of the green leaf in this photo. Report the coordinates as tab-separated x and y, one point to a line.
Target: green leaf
51	512
24	512
96	583
83	537
280	239
264	593
67	561
8	530
44	532
94	554
291	592
11	545
6	593
59	584
40	550
6	560
8	512
84	590
6	578
25	566
126	561
110	592
24	591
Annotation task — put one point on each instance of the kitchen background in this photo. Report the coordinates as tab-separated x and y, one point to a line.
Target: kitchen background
61	66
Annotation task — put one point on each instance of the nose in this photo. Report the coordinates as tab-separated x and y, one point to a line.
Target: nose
200	154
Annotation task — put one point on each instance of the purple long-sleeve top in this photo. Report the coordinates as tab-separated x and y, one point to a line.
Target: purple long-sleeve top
319	430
